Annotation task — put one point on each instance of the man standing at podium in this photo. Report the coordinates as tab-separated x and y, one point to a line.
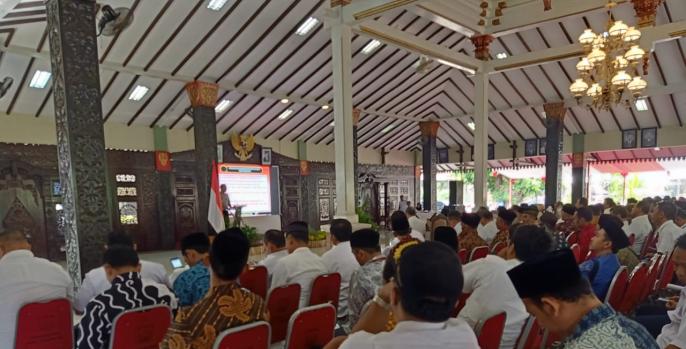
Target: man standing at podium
226	203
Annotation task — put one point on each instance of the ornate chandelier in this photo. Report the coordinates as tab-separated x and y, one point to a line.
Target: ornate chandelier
609	74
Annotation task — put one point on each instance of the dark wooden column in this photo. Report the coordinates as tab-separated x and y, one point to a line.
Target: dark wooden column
429	130
356	121
80	135
203	98
579	167
554	125
164	192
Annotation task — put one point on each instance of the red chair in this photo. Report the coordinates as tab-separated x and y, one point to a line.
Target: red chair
634	289
45	325
462	254
632	239
460	303
256	279
256	335
650	244
576	250
326	289
667	274
572	239
653	273
617	287
282	302
531	336
141	328
498	247
311	327
478	253
491	331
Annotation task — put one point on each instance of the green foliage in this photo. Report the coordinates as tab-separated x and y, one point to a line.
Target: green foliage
317	235
527	189
252	235
363	216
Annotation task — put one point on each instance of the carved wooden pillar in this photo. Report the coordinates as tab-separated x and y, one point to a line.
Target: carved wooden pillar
554	125
645	11
429	131
203	97
356	162
482	46
80	135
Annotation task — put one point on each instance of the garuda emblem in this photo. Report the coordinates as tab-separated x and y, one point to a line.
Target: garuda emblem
243	146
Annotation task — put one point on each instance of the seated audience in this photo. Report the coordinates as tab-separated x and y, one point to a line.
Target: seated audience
487	228
608	205
401	230
585	229
341	260
421	295
275	246
640	225
447	236
416	223
455	221
623	215
301	266
25	279
548	222
226	305
492	291
600	269
673	334
554	292
439	220
596	211
667	232
192	285
581	202
128	291
529	215
680	219
627	257
503	222
366	280
566	224
95	281
469	238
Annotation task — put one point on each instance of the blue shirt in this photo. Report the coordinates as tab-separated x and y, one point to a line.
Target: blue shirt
607	267
192	285
603	328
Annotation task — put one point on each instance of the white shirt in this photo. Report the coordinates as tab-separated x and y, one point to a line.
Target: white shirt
625	227
640	227
272	260
300	267
340	259
417	224
454	333
458	228
668	233
488	231
95	282
402	206
492	292
27	279
675	332
414	234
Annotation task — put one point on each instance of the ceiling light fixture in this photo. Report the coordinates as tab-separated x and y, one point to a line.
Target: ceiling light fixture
222	106
216	5
284	100
387	128
501	55
471	125
307	26
641	104
285	114
332	124
325	107
138	93
40	79
371	46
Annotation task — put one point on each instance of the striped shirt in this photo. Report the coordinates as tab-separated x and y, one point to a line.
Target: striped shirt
128	291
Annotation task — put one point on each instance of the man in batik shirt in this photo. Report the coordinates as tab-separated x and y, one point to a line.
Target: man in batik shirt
555	293
226	304
366	280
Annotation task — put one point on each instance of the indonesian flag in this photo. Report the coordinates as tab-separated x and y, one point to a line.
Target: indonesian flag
214	211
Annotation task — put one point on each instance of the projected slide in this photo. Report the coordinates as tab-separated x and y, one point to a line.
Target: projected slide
248	186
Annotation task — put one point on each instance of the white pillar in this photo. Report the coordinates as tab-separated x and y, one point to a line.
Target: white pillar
343	121
480	138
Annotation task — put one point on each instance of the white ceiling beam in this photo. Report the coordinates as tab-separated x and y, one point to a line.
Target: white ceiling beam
650	36
398	38
446	16
359	11
531	14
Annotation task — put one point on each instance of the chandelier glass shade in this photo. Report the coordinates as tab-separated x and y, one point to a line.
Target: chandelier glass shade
608	73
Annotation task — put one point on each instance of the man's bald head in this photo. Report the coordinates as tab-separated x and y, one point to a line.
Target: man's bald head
11	240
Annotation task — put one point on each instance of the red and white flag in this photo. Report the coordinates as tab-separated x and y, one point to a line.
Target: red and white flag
214	211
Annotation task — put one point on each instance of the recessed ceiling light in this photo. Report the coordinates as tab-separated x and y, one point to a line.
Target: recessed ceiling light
371	46
657	149
307	26
332	124
138	93
471	125
216	5
501	55
284	100
222	106
325	107
40	79
387	128
641	104
286	113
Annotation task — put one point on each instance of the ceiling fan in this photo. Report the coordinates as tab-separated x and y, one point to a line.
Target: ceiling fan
114	21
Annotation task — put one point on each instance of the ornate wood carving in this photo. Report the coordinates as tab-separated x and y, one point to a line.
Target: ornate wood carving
482	46
202	94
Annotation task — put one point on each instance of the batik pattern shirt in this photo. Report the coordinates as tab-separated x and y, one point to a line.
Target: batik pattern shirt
470	240
604	328
502	236
364	284
192	285
128	291
223	307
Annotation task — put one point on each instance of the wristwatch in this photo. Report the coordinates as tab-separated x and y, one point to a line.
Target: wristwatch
380	302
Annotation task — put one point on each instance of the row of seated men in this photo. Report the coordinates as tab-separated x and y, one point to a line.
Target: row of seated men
409	294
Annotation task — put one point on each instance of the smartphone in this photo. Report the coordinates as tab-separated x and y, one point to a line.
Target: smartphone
663	299
176	262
